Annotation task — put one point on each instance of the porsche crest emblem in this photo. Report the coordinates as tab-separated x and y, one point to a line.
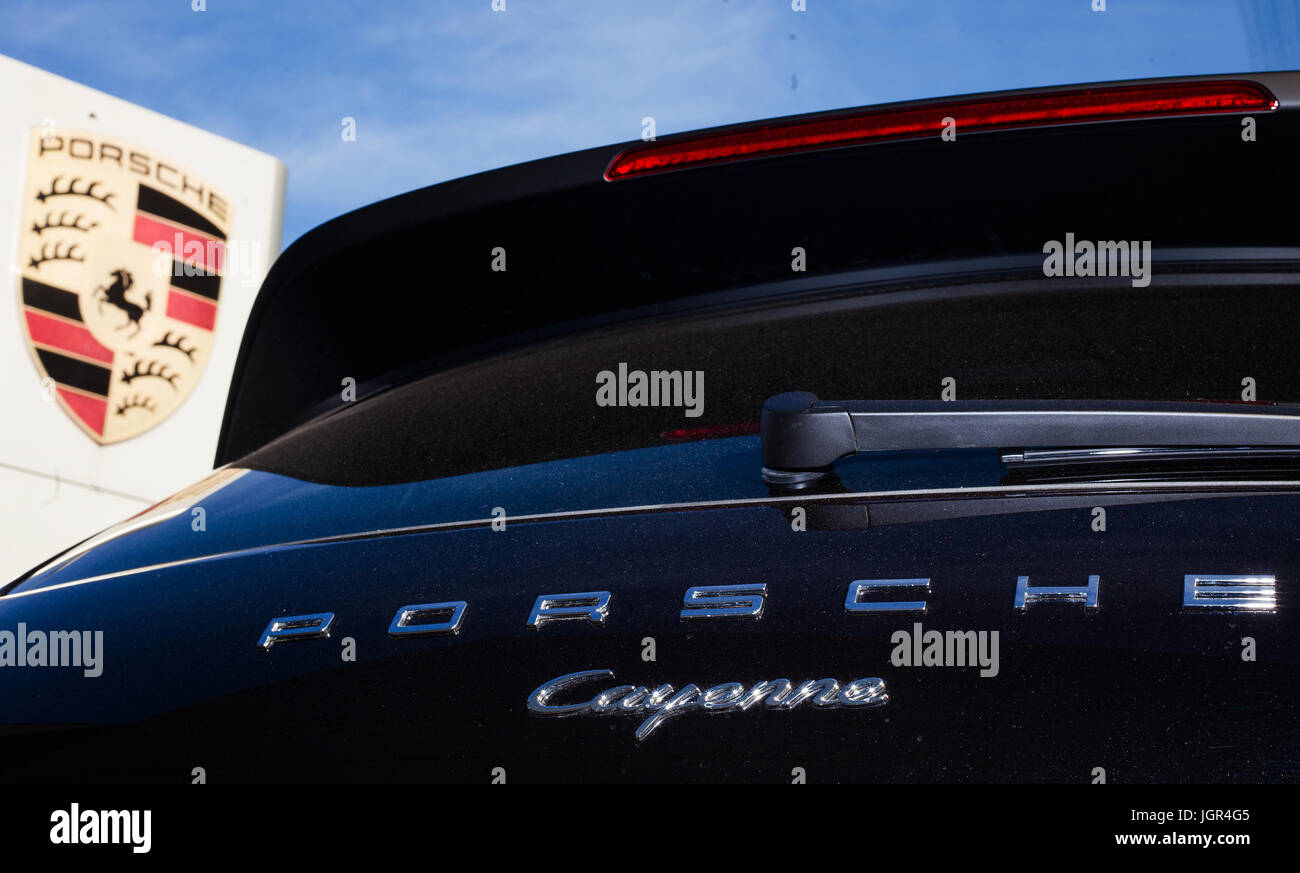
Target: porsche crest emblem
119	279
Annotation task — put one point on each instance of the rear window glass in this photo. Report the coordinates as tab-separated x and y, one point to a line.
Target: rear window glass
711	374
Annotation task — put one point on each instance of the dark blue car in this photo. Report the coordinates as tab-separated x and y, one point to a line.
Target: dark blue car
935	442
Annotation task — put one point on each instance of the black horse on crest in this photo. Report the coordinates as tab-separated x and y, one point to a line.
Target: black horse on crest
115	294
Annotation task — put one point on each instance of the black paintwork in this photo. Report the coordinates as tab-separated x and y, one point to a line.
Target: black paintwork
390	502
1140	688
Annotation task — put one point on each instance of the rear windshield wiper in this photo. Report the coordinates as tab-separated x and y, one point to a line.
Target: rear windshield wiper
803	436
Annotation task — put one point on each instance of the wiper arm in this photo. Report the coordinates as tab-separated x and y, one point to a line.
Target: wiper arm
803	436
1138	455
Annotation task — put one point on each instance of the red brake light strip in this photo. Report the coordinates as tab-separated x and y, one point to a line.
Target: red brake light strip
913	122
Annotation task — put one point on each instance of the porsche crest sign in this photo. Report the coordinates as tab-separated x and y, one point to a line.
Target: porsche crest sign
119	282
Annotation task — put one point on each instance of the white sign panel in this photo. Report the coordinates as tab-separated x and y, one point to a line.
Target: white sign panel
136	245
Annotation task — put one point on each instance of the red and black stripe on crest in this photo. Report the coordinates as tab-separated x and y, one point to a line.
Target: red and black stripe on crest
79	364
198	247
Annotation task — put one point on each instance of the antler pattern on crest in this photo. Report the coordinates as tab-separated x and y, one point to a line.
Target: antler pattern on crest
178	344
155	369
71	190
60	253
62	222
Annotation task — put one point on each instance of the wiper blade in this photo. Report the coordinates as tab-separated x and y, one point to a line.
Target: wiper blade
803	436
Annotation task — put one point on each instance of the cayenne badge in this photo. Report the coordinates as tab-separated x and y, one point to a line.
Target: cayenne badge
119	279
657	705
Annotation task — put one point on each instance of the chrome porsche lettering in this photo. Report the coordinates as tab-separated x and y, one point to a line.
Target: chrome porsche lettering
1086	595
296	627
1202	593
1239	593
724	601
589	605
415	620
667	702
854	603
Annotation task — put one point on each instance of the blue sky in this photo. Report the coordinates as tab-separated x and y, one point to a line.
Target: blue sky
444	88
